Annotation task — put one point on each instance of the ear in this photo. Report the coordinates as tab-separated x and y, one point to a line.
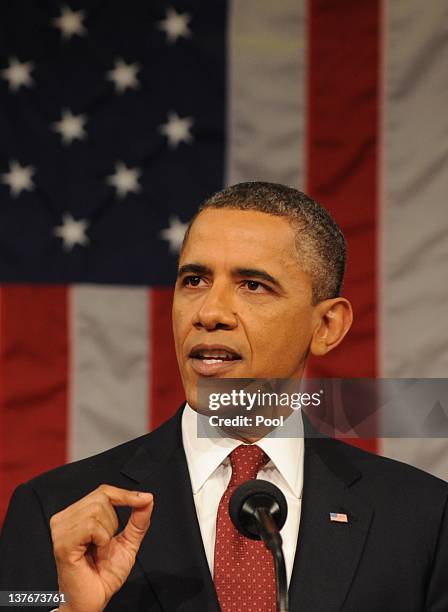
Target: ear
334	318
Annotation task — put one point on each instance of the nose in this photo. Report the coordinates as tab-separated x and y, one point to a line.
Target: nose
216	310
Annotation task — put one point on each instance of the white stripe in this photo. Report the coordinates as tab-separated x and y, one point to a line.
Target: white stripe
266	91
109	367
415	219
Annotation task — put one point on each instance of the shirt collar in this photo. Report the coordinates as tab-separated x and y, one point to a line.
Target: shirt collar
204	455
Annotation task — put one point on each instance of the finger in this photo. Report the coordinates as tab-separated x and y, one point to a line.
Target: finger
105	514
106	494
137	526
99	535
124	497
108	516
102	511
71	543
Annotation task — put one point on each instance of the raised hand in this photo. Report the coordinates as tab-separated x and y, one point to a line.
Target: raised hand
92	562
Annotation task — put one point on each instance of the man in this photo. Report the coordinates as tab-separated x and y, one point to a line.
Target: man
144	527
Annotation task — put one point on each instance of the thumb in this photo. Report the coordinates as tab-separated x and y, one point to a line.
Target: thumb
138	524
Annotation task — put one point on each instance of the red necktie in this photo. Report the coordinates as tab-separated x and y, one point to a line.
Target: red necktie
243	568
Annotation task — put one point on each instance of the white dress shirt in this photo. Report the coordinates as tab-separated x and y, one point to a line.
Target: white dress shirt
210	471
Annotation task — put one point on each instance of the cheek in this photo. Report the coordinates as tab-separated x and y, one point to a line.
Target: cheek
281	338
179	325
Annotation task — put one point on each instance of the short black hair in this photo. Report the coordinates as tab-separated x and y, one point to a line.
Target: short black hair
321	245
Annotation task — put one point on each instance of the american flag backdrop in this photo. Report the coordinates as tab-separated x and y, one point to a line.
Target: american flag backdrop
118	119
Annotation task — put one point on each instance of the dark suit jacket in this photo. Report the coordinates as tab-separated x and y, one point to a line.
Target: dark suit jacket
391	556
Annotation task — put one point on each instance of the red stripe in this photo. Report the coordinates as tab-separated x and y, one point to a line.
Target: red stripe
4	495
166	392
343	106
33	370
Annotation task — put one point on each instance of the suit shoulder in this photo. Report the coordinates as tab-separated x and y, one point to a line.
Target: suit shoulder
107	460
391	471
74	480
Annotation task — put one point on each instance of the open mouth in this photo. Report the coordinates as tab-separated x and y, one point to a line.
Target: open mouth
212	356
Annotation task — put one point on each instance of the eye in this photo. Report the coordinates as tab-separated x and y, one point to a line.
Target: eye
191	281
255	286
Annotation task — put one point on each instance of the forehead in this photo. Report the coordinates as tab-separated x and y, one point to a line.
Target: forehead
241	233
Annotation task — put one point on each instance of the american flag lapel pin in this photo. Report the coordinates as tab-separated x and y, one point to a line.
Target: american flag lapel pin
338	517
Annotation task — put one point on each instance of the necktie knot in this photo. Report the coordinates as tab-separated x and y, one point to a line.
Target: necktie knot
246	461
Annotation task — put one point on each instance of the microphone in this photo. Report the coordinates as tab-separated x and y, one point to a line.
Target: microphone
258	509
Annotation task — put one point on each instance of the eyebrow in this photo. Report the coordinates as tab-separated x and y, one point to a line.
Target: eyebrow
260	274
193	268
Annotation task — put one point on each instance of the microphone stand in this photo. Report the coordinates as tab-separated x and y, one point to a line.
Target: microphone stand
273	541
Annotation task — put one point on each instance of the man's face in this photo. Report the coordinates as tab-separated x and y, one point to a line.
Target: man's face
242	305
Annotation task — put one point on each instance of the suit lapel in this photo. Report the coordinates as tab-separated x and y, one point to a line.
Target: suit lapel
172	554
328	552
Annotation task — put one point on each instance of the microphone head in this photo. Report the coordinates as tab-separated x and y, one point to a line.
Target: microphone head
249	497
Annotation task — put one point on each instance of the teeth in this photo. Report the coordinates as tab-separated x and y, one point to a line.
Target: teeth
213	361
216	355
